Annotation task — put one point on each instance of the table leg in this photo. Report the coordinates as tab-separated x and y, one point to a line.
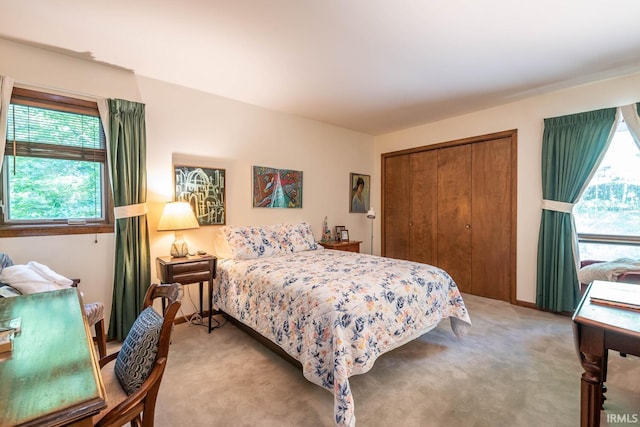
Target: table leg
201	308
592	358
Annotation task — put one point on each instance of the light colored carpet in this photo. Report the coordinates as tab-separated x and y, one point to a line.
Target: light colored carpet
516	367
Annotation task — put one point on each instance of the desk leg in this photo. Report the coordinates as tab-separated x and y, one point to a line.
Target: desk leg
592	358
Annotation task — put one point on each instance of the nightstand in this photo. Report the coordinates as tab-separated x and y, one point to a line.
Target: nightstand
190	269
350	246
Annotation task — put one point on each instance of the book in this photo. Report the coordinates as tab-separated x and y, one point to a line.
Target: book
616	294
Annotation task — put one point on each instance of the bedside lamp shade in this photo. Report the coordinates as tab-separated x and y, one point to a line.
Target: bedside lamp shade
176	217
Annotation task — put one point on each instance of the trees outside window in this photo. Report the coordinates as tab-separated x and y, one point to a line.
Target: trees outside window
54	174
608	213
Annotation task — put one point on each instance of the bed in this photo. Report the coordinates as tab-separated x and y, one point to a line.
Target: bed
334	312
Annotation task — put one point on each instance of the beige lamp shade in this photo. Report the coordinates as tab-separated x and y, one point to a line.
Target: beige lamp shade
178	216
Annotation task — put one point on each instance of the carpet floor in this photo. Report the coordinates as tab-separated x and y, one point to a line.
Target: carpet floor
515	367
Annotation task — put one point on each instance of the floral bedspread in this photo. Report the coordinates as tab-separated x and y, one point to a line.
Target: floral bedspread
336	312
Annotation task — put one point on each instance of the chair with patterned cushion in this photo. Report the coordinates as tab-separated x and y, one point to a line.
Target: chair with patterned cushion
133	381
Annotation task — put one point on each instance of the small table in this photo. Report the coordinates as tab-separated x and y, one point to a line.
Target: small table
350	246
190	269
52	376
598	328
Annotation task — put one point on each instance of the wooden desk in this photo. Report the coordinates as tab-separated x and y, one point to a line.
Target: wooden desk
598	328
52	376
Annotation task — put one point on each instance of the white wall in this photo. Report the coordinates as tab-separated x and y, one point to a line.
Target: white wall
191	127
194	128
527	117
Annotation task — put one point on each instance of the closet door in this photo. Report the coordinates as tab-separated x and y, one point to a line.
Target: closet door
454	214
396	195
423	223
492	219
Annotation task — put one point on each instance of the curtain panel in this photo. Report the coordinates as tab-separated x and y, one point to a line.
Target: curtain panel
631	115
572	148
127	162
6	87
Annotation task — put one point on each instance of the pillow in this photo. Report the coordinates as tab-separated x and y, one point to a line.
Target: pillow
297	237
221	248
27	280
252	242
138	352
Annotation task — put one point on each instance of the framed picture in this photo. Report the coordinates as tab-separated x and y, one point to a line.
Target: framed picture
360	191
344	236
276	188
204	189
339	229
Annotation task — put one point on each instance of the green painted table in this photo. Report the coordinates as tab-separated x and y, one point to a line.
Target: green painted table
52	376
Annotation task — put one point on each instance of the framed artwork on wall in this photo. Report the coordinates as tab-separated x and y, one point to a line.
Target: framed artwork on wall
276	188
360	191
204	189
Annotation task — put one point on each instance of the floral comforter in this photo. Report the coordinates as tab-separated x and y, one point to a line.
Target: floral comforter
336	312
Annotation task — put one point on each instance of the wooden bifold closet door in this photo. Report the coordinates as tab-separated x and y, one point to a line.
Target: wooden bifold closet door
453	205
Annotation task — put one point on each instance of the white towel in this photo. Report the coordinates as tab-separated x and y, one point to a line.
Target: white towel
50	275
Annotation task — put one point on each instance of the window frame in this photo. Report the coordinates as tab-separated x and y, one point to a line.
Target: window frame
609	239
36	98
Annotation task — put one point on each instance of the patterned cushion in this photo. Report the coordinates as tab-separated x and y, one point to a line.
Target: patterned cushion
138	352
94	312
297	237
247	242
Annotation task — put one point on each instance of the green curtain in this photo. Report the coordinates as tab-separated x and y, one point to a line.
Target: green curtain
132	275
572	146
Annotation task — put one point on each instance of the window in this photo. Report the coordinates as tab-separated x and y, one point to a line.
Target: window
608	213
54	173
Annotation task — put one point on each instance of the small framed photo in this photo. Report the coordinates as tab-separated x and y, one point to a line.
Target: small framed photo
339	229
344	236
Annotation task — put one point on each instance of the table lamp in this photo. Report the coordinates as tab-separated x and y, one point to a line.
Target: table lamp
371	215
176	217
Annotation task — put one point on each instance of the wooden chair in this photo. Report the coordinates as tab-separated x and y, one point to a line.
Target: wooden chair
138	407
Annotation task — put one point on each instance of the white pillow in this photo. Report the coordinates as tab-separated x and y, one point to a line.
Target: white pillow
221	248
28	280
247	242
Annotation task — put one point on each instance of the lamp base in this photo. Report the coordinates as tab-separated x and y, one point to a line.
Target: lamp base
179	249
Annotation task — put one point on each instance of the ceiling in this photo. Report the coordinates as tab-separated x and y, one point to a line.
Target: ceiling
373	66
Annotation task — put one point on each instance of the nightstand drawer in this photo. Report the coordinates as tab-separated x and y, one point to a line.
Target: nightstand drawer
191	267
191	277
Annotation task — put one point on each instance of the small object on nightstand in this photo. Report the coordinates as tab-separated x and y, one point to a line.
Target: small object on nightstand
201	253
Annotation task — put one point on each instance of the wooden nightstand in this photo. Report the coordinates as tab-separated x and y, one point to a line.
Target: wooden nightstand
350	246
191	269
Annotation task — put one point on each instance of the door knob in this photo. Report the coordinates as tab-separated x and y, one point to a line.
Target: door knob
467	226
